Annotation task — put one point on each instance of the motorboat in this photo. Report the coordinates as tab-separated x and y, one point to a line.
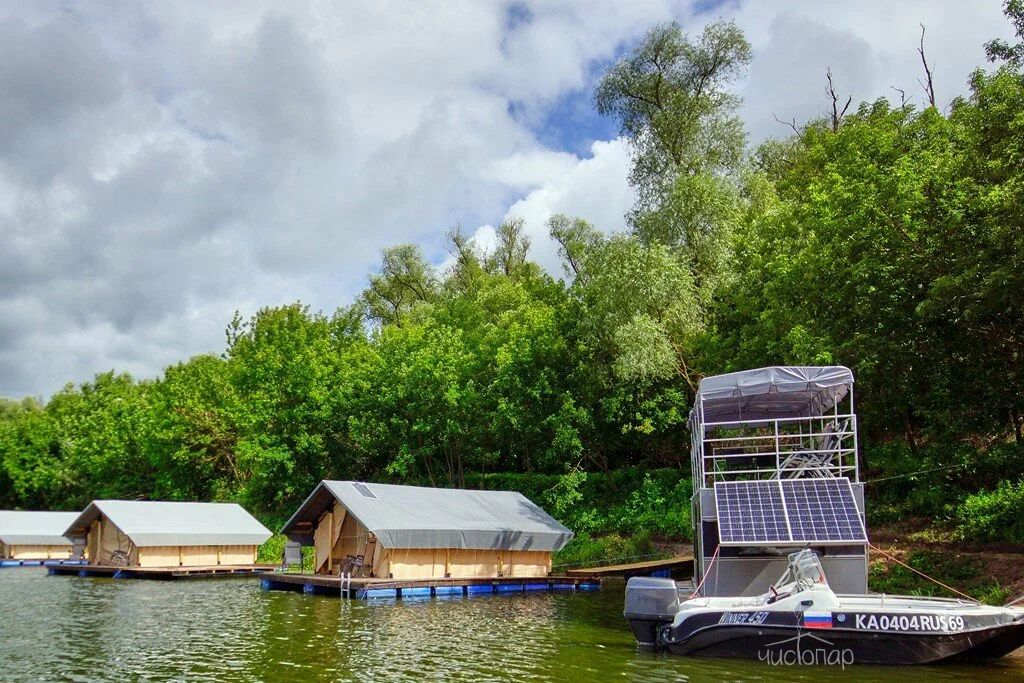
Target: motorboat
800	620
777	490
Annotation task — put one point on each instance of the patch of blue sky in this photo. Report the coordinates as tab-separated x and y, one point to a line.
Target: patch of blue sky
570	123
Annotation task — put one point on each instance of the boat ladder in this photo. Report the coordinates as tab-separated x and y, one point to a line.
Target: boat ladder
346	584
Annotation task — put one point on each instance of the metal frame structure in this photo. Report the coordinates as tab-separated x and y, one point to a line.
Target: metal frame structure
777	448
820	441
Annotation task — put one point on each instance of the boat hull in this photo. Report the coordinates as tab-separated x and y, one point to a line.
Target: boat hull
794	644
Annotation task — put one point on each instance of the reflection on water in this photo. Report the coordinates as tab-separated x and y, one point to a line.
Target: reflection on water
86	629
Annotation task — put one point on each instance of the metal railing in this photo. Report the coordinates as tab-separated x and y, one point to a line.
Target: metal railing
819	446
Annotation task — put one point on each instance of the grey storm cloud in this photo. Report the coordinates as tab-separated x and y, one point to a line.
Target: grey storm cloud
165	164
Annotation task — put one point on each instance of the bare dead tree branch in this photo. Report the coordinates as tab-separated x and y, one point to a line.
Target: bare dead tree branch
791	124
928	85
903	95
837	113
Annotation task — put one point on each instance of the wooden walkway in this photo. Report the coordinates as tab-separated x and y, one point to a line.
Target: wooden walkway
364	588
162	573
670	567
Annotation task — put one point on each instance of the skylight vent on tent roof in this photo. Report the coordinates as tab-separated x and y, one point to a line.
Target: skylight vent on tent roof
364	490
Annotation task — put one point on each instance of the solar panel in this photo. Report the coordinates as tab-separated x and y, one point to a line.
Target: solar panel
788	512
823	510
751	512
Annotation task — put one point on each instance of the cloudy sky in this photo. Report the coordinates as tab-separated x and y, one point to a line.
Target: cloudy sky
164	164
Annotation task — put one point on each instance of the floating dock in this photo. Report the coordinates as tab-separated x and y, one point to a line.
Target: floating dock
161	573
365	588
42	563
681	565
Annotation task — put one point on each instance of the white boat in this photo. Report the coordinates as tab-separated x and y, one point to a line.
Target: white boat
800	620
776	475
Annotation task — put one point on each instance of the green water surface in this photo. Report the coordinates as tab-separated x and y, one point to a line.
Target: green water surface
56	628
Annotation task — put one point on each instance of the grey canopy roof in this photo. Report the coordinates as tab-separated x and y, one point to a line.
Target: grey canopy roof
34	528
773	392
420	517
157	523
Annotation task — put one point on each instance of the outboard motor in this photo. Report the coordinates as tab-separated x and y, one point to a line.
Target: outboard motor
650	603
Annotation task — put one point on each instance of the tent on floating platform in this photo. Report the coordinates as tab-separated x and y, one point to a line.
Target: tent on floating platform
411	532
26	535
133	533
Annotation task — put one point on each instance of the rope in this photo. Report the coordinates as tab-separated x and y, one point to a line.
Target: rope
914	474
705	577
916	571
1014	602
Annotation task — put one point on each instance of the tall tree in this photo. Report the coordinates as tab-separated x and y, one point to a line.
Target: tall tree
999	49
405	281
671	98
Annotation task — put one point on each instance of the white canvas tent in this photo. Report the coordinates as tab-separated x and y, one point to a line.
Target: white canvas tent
408	532
32	535
168	534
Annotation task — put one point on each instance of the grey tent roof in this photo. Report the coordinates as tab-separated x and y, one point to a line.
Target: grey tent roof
772	392
34	528
421	517
156	523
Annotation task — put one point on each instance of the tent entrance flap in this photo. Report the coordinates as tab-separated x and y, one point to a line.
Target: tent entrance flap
336	537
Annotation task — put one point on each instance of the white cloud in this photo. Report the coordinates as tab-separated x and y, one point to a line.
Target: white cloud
594	188
162	165
870	46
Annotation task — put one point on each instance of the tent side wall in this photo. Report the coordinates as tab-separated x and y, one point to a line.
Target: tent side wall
105	539
238	554
335	541
422	563
196	555
35	552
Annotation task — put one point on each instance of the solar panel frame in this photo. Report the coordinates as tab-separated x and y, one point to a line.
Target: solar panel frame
788	512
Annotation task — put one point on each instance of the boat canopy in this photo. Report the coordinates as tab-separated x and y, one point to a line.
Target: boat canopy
771	393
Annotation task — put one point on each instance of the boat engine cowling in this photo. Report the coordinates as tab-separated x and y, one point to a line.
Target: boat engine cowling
650	603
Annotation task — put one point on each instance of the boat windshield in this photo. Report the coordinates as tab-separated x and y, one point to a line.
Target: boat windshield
804	572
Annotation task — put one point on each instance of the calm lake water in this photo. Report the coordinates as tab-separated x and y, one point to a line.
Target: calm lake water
86	629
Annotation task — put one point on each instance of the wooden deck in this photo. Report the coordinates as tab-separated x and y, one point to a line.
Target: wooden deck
670	567
162	573
364	588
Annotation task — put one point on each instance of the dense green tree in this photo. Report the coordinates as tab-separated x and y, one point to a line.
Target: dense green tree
406	280
889	239
672	100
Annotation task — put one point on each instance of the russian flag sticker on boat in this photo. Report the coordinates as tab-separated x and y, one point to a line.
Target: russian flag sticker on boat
817	620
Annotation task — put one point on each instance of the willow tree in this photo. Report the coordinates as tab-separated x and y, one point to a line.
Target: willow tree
405	281
671	98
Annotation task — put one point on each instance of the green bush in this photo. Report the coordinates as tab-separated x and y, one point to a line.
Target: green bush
272	550
656	506
993	515
585	550
963	573
624	502
935	481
